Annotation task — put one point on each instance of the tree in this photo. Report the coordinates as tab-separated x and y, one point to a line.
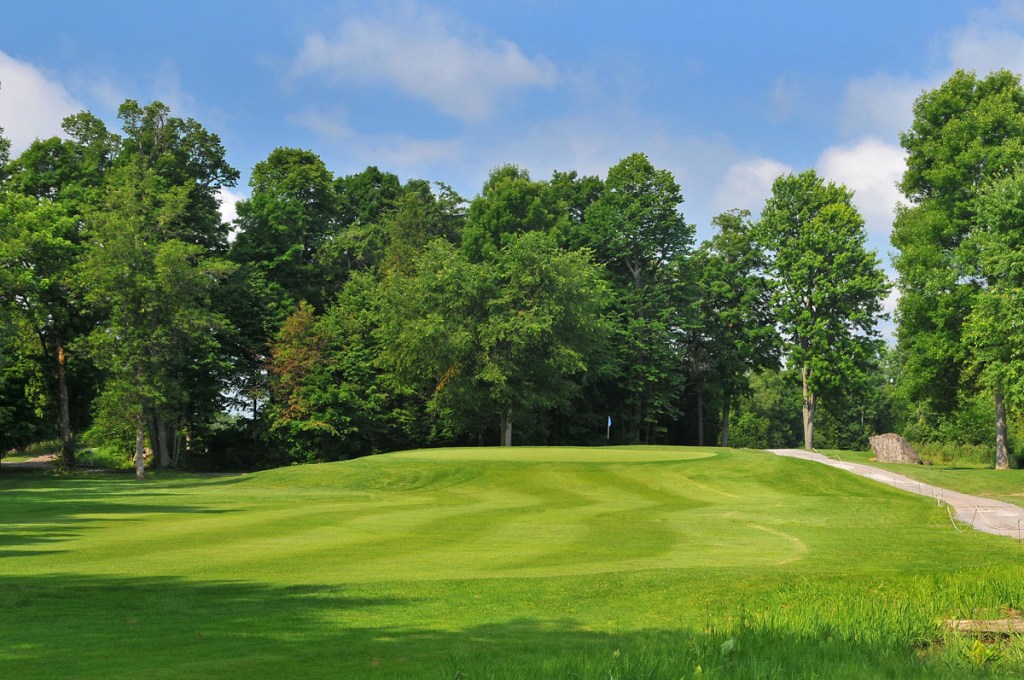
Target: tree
994	329
282	228
358	240
37	252
637	231
331	399
827	289
965	135
736	333
509	204
50	186
183	153
500	338
419	216
152	263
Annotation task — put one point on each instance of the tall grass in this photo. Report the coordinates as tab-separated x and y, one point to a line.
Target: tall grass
966	455
810	628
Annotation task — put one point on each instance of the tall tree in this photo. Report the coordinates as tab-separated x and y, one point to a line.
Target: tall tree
152	262
992	332
965	134
357	242
183	153
635	229
827	287
49	188
159	327
38	250
285	222
736	333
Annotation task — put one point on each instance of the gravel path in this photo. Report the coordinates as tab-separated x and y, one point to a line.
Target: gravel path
984	514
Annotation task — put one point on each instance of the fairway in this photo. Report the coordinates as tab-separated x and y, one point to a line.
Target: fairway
495	563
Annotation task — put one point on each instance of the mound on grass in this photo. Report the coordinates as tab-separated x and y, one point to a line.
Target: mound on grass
526	562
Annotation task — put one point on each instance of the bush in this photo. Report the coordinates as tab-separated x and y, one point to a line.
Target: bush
951	453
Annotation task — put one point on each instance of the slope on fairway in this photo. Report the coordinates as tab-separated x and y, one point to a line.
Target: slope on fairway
470	513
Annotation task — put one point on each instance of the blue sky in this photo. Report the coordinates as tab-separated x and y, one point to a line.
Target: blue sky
726	95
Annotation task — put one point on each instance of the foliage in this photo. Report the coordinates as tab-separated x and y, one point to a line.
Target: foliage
736	332
284	223
494	339
955	327
158	343
827	289
768	416
636	230
131	311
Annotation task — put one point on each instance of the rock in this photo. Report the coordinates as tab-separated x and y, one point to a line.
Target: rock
892	448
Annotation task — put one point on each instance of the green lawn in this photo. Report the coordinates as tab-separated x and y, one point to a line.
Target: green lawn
603	563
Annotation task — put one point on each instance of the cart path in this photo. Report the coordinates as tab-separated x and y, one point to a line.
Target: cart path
44	462
984	514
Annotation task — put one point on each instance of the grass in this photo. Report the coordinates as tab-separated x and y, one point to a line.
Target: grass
611	563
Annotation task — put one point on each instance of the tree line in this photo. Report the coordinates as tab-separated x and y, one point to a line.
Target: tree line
340	316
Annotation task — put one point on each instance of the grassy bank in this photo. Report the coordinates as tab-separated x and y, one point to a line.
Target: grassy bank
649	562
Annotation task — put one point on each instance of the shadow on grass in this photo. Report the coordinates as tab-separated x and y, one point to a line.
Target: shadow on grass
82	626
41	508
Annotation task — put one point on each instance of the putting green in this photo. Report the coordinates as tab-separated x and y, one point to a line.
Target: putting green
470	513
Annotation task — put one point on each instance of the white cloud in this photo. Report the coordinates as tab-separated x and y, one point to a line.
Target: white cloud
167	88
418	51
991	40
871	168
984	49
881	105
32	105
748	183
228	198
332	125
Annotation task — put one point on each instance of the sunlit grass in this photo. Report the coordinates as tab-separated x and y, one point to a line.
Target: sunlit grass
621	562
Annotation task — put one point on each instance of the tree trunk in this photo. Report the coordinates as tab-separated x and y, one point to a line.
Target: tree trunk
506	427
1002	452
725	419
140	449
634	434
159	440
700	417
808	411
163	428
67	439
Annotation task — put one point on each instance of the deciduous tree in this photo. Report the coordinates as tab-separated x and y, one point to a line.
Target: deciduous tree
736	333
635	229
827	288
965	135
511	335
